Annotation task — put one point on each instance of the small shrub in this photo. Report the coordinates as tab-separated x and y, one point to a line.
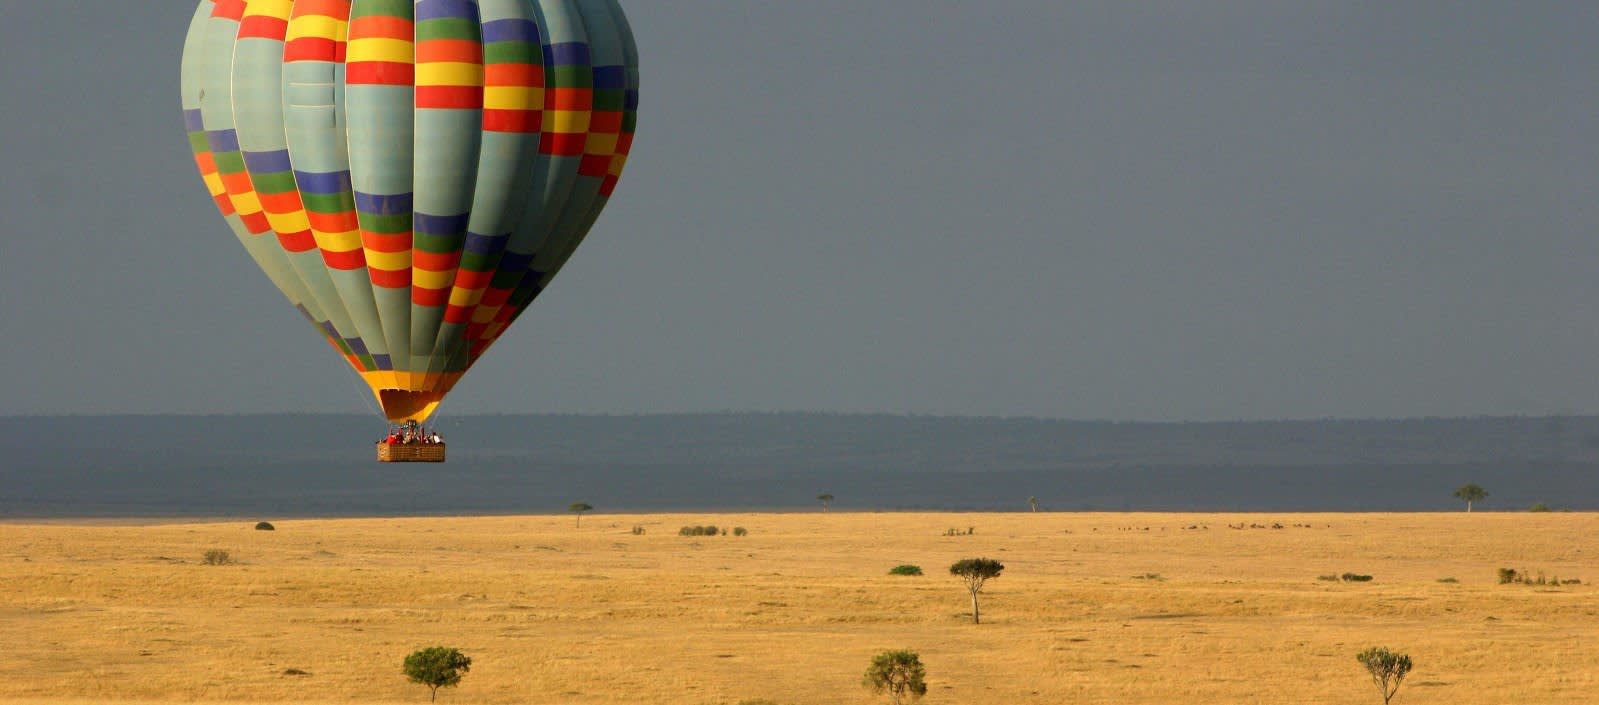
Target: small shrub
265	526
295	672
707	530
740	531
1507	576
1448	580
638	530
1329	578
1148	576
905	569
1571	581
1539	507
1354	578
216	556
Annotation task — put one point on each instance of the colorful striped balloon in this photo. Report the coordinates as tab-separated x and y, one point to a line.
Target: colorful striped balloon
410	173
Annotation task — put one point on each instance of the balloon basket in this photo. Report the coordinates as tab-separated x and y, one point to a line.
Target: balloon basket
411	453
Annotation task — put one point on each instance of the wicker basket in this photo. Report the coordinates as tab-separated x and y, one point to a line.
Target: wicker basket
413	453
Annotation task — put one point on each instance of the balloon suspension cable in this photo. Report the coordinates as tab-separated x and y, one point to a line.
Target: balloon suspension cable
365	393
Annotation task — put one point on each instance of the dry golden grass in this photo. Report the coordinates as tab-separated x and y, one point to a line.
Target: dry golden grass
794	611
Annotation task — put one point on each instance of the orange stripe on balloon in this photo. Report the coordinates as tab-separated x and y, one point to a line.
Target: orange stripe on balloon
382	27
513	75
386	242
435	261
452	50
229	9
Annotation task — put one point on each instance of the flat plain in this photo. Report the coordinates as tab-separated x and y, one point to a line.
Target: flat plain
1125	608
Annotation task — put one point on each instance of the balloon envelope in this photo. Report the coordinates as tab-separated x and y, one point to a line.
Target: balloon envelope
410	174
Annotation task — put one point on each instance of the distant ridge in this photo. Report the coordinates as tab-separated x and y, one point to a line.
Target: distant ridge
321	465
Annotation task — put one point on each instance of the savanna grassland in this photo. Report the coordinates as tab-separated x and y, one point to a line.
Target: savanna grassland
1091	608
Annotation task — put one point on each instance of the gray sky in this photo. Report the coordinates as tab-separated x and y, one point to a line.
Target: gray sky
1096	210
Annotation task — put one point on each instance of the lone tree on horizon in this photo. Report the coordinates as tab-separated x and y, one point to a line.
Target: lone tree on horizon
975	572
1032	502
578	508
437	667
898	673
826	498
1471	492
1387	668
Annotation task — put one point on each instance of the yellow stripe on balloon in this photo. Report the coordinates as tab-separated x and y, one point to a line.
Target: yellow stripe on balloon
428	279
465	297
601	144
396	51
512	98
449	73
246	202
278	9
485	314
567	121
292	222
348	241
388	261
213	182
318	27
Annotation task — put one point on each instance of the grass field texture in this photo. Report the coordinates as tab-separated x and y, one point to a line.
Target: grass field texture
1091	608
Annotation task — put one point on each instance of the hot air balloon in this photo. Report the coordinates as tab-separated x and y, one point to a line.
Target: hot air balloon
411	175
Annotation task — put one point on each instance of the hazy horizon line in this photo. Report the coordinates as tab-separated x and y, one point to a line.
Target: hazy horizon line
802	412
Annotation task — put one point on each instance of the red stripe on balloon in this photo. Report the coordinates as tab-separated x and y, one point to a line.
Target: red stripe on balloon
595	165
449	97
313	49
354	259
382	73
495	120
302	241
605	121
263	27
390	280
429	297
563	144
256	222
471	281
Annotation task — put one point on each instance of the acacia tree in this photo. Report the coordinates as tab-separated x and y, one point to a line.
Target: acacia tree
1470	492
975	572
1387	668
436	667
825	498
898	673
578	508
